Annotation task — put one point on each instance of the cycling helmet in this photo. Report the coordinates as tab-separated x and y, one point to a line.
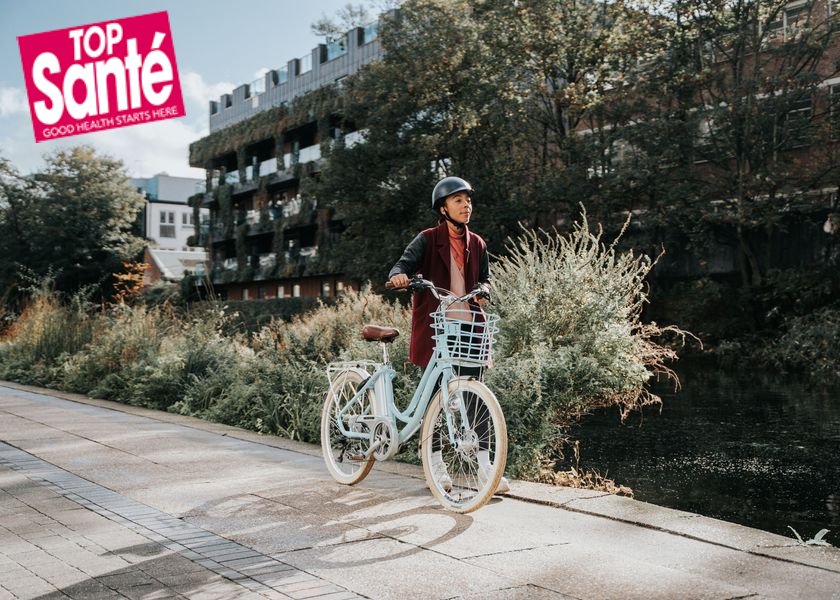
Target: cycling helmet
448	186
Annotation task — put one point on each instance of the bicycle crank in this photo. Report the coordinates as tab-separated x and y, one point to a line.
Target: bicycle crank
383	440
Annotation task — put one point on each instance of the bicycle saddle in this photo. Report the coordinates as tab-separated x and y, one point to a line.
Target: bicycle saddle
379	333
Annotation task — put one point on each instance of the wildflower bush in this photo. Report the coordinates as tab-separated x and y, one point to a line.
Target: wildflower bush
571	340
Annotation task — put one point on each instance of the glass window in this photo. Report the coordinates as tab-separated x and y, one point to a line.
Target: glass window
296	290
167	231
336	48
798	122
281	291
370	32
305	64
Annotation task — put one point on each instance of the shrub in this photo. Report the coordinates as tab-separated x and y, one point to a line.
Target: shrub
571	339
45	332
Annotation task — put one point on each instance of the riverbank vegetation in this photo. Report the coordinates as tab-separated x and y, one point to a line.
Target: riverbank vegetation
571	340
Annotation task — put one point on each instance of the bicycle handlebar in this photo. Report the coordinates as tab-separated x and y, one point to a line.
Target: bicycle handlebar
418	283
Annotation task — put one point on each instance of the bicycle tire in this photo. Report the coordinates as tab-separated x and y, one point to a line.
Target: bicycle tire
470	485
341	454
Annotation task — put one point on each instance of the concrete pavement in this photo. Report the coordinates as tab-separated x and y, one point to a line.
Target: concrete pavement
103	500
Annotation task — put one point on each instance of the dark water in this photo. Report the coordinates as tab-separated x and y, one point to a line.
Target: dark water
748	448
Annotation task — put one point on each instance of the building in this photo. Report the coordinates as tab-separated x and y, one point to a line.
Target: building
264	238
168	222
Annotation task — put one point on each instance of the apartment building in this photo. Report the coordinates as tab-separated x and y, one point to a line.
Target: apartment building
169	223
263	237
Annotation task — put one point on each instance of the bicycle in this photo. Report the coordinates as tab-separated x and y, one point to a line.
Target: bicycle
463	438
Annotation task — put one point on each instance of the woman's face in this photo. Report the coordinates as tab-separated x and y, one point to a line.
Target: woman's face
459	207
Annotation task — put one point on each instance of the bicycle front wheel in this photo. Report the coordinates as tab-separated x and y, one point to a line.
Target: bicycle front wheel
344	456
464	445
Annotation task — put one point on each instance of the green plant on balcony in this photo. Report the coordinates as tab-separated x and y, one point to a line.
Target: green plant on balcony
271	123
224	200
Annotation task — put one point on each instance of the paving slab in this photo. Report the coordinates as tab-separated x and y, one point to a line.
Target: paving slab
104	500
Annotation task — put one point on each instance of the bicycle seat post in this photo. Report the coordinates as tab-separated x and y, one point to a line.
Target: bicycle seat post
384	352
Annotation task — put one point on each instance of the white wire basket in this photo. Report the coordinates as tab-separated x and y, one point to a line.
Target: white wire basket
464	336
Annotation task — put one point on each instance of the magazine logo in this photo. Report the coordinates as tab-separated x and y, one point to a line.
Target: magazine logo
101	76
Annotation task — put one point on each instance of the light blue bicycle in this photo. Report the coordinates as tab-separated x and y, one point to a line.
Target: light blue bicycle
463	439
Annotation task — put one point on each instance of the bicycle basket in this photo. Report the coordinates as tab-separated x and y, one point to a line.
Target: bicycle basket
464	336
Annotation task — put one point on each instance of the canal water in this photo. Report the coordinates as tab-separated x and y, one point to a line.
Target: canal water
750	448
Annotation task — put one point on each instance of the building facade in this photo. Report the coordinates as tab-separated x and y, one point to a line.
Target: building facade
169	224
264	238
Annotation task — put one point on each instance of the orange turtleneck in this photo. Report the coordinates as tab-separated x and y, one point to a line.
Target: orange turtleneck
457	245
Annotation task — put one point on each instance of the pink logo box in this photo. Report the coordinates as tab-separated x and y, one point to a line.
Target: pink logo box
101	76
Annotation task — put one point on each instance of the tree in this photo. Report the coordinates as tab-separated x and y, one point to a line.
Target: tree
75	219
745	83
491	91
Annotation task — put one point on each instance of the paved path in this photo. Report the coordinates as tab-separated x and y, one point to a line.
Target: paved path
101	500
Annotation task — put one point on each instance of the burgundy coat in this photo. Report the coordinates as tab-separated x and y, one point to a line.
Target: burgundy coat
428	254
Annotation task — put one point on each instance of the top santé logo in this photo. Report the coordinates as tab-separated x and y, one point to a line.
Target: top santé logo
101	76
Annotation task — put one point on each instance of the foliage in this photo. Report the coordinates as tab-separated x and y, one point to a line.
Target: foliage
74	219
44	333
263	125
572	339
806	346
746	83
817	540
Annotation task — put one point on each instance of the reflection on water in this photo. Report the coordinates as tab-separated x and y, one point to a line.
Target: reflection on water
750	448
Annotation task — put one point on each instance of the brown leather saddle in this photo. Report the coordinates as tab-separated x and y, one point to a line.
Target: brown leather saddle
380	333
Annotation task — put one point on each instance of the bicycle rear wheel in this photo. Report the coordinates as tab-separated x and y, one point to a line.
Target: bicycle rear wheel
463	471
344	456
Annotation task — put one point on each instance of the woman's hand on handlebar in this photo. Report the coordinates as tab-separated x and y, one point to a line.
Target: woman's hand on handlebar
400	280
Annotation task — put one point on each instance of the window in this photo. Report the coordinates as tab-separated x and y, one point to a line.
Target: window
797	123
834	111
261	293
167	231
370	32
296	290
325	289
336	48
790	20
281	291
245	294
163	216
187	219
304	64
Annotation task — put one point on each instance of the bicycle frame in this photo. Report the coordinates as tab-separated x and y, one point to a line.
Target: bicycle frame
379	383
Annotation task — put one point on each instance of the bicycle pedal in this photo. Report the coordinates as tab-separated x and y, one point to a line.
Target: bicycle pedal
358	457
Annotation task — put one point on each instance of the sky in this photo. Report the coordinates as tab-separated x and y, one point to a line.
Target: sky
218	46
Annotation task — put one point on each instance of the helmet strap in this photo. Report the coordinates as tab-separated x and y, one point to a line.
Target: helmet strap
458	226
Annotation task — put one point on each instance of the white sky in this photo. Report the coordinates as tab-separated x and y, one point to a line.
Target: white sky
218	46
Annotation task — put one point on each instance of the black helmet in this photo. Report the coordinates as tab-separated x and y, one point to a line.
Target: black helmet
448	186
